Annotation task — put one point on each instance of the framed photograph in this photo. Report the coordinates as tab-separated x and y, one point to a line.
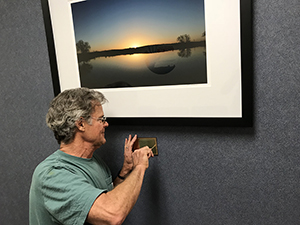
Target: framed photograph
179	62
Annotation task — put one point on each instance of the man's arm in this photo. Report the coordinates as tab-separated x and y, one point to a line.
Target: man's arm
113	207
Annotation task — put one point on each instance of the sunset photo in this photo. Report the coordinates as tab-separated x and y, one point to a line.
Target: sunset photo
140	43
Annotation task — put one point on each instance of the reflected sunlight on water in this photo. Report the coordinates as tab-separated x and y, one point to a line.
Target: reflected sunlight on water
153	69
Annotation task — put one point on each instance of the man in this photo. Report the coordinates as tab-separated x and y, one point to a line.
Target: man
74	186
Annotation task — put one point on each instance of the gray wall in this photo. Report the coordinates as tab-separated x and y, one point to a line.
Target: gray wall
202	175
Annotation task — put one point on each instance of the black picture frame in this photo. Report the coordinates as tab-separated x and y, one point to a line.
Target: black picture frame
246	61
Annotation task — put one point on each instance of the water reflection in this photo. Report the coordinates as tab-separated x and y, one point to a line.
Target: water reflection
159	65
85	68
175	67
186	52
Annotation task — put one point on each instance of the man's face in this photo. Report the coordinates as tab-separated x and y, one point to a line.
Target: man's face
95	131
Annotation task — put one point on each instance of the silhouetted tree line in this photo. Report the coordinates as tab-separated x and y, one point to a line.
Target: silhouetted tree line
184	45
83	47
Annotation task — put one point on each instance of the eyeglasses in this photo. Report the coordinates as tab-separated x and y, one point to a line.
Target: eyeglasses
102	119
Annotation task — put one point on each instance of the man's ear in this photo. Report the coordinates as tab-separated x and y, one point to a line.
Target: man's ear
80	124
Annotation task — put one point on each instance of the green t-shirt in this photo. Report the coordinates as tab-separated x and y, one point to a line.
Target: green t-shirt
64	187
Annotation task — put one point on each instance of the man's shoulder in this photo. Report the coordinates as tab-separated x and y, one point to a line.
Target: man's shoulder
50	162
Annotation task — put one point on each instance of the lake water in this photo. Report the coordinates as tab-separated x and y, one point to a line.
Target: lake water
152	69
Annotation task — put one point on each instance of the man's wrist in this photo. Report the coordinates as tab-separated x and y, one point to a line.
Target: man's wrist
121	177
141	167
123	173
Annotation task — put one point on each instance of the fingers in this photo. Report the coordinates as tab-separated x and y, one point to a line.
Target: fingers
141	156
130	141
151	154
134	139
147	151
126	140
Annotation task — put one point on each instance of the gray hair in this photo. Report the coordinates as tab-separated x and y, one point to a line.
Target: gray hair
68	107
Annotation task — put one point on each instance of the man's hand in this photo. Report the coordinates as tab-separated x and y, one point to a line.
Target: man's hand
141	157
133	159
128	162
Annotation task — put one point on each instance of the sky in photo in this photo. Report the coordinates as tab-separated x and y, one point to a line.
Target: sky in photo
118	24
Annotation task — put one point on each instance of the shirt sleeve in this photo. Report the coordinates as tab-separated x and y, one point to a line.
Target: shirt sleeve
67	196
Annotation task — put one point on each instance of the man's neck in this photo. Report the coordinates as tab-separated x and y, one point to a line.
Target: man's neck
78	149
